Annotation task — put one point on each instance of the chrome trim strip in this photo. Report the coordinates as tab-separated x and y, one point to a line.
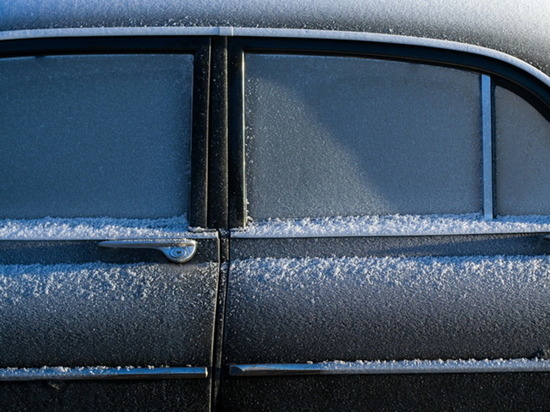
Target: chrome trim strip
99	373
281	33
487	145
392	367
243	234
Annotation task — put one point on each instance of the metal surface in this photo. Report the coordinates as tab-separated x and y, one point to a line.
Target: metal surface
487	145
176	250
100	373
460	299
392	367
295	232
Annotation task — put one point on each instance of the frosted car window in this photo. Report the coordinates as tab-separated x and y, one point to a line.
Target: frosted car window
522	151
95	135
333	136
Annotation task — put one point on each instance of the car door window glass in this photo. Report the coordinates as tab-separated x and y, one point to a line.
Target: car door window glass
522	152
95	135
343	136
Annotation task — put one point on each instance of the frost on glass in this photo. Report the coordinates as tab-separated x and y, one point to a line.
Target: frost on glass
330	136
97	135
522	154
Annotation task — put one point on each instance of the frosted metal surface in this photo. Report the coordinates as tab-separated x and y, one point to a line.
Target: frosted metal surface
294	310
98	135
329	136
478	22
522	153
107	314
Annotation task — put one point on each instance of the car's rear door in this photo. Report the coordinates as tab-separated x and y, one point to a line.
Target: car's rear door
373	271
107	292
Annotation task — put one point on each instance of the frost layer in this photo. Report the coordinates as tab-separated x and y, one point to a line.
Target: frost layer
394	225
106	314
316	309
92	228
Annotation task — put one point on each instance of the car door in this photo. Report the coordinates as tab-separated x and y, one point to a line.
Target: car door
108	291
384	252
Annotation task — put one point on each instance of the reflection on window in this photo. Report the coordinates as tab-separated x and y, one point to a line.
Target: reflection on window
330	136
91	136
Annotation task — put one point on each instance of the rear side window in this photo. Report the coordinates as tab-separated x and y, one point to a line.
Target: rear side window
522	156
341	136
95	135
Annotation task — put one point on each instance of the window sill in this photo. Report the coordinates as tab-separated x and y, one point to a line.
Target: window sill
394	225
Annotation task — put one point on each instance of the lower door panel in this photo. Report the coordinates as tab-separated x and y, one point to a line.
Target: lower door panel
431	298
463	392
96	316
188	395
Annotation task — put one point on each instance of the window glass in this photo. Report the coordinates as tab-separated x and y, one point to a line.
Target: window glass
330	136
95	135
522	144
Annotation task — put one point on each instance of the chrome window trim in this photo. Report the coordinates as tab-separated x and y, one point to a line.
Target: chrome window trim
228	31
242	234
392	367
487	145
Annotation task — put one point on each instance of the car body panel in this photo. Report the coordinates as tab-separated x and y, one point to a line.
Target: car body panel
283	298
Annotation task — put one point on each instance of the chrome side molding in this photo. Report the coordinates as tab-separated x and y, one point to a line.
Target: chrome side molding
99	373
487	146
177	250
392	367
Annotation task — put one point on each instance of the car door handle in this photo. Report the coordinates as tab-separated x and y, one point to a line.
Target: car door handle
176	250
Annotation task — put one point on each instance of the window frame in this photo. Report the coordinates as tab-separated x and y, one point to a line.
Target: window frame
198	47
499	73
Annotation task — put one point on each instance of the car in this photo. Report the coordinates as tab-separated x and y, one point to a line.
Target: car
274	206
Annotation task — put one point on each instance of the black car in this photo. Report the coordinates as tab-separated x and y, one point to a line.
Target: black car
274	206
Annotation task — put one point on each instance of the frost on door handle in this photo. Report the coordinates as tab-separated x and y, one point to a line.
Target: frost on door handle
176	250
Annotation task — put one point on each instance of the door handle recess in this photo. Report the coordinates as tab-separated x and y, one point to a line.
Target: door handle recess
176	250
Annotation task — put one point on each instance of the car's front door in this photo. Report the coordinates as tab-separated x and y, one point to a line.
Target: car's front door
107	293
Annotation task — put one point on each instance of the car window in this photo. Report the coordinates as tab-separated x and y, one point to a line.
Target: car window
95	135
522	151
329	136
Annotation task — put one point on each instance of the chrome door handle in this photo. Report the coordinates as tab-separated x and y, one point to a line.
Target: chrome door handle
176	250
